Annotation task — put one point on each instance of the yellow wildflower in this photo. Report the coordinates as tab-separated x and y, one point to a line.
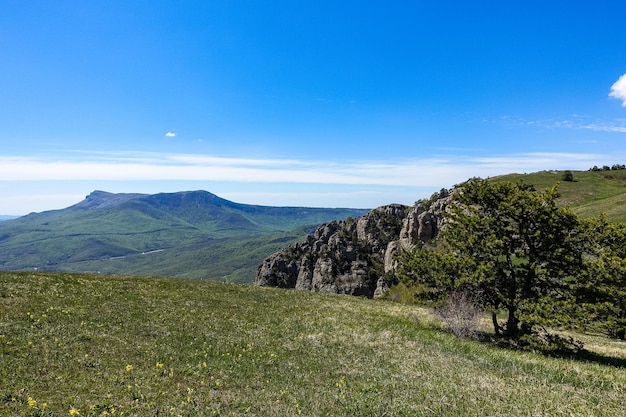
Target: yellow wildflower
129	368
159	365
31	402
74	411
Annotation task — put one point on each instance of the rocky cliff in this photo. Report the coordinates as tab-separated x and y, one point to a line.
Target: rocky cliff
353	256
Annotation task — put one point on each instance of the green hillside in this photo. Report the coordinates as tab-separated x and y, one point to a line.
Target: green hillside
227	259
89	345
590	194
191	234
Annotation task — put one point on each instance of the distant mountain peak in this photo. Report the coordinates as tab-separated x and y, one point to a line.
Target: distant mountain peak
101	199
192	234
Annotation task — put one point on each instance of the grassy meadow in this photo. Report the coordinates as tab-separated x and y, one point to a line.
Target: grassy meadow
590	194
88	345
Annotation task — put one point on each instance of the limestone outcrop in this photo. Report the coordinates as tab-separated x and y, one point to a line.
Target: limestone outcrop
354	256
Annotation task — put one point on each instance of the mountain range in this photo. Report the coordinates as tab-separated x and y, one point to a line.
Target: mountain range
193	234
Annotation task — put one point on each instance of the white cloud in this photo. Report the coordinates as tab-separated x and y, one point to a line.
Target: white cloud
438	172
52	182
618	90
170	134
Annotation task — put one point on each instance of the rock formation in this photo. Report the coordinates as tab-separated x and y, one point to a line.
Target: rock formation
353	256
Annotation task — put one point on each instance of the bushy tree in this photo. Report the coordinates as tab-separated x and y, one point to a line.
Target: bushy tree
600	290
427	202
432	272
512	249
524	249
568	176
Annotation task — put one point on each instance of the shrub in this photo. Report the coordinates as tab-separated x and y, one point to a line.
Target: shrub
568	176
460	314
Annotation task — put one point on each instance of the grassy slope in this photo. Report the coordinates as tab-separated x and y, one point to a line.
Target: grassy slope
148	346
591	194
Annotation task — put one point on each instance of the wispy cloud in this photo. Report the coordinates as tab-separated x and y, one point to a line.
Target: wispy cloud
444	170
574	121
599	127
170	134
618	90
43	183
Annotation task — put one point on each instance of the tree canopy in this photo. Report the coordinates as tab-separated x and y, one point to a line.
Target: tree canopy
599	293
508	245
514	250
522	245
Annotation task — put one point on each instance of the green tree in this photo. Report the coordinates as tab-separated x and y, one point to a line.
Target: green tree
524	249
600	291
431	271
568	176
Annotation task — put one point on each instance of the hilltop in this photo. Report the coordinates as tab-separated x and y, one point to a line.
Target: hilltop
193	234
591	193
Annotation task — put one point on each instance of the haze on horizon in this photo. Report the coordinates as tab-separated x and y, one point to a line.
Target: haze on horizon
280	103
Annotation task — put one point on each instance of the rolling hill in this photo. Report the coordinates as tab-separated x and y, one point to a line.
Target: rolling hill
590	194
192	234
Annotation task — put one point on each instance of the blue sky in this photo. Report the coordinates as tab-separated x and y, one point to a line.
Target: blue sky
336	104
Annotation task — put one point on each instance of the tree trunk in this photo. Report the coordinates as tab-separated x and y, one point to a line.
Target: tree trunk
512	323
496	326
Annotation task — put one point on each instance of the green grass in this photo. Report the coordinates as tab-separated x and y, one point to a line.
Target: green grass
590	194
157	346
